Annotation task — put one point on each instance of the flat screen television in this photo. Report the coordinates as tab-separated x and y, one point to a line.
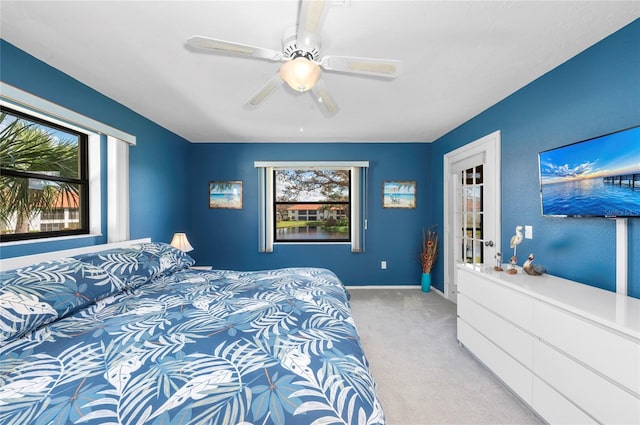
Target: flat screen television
598	177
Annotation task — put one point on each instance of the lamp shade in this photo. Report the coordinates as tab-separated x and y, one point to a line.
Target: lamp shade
301	74
181	242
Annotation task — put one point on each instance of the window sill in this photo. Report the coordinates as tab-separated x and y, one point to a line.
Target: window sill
312	243
55	239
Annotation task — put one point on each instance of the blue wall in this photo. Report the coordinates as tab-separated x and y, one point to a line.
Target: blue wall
158	174
596	92
229	238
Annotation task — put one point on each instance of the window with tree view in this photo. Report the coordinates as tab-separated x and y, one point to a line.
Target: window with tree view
312	205
43	178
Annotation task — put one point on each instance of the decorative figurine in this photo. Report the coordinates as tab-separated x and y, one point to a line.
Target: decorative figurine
512	265
498	266
533	269
515	241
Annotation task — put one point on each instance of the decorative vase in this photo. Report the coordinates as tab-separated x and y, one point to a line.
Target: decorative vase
426	282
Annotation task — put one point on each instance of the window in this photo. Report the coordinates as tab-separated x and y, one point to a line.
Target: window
50	227
312	205
471	200
311	202
44	183
55	214
115	166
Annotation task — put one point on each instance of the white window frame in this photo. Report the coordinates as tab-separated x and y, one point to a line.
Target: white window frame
265	202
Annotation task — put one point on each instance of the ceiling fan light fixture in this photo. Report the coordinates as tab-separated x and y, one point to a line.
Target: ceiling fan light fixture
300	73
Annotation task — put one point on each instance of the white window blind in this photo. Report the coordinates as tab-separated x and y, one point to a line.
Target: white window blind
117	190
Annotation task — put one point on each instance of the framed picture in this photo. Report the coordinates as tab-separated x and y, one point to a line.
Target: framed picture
225	194
399	194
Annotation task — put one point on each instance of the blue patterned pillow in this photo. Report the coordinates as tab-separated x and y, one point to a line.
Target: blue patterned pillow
172	259
35	295
138	264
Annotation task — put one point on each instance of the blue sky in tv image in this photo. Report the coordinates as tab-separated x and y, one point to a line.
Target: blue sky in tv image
597	177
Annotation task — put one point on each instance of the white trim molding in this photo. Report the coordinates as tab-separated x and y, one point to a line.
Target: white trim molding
622	256
13	96
485	150
310	165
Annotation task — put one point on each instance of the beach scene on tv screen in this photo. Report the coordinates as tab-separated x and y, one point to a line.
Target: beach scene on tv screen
598	177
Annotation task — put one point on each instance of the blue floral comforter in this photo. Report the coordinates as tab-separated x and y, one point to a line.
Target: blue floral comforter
133	336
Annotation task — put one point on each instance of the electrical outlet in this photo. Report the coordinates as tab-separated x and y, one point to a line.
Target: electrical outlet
528	232
383	265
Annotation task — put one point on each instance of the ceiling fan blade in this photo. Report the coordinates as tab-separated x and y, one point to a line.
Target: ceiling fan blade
388	68
221	46
310	20
323	98
266	90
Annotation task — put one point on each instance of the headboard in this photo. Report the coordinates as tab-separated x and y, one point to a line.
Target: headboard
14	263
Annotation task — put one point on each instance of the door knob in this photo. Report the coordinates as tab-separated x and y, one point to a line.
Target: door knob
488	243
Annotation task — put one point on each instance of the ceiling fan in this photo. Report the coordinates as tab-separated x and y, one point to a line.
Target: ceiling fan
301	58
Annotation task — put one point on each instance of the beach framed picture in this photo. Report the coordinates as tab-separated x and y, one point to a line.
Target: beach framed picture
399	194
225	194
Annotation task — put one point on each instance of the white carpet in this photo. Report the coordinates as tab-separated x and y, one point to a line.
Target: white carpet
423	375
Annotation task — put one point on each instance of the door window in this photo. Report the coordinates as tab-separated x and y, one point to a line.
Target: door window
470	215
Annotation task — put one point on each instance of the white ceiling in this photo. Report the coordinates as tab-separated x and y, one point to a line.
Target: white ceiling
460	57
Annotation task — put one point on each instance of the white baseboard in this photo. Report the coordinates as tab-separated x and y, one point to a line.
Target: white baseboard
382	286
439	292
434	289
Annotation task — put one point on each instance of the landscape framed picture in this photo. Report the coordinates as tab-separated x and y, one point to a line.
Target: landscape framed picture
399	194
225	194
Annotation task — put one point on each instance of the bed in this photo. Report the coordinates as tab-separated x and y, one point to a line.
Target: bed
133	335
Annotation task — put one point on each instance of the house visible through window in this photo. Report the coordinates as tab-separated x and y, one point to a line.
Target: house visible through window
44	185
312	205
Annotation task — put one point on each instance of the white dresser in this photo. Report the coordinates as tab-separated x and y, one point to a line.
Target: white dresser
571	351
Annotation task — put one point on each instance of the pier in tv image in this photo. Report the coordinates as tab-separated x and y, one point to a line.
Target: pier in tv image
599	177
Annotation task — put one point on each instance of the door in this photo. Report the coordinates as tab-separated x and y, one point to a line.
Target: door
471	207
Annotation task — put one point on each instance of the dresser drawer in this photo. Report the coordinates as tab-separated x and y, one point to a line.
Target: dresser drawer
601	399
556	409
604	350
505	302
511	372
513	340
